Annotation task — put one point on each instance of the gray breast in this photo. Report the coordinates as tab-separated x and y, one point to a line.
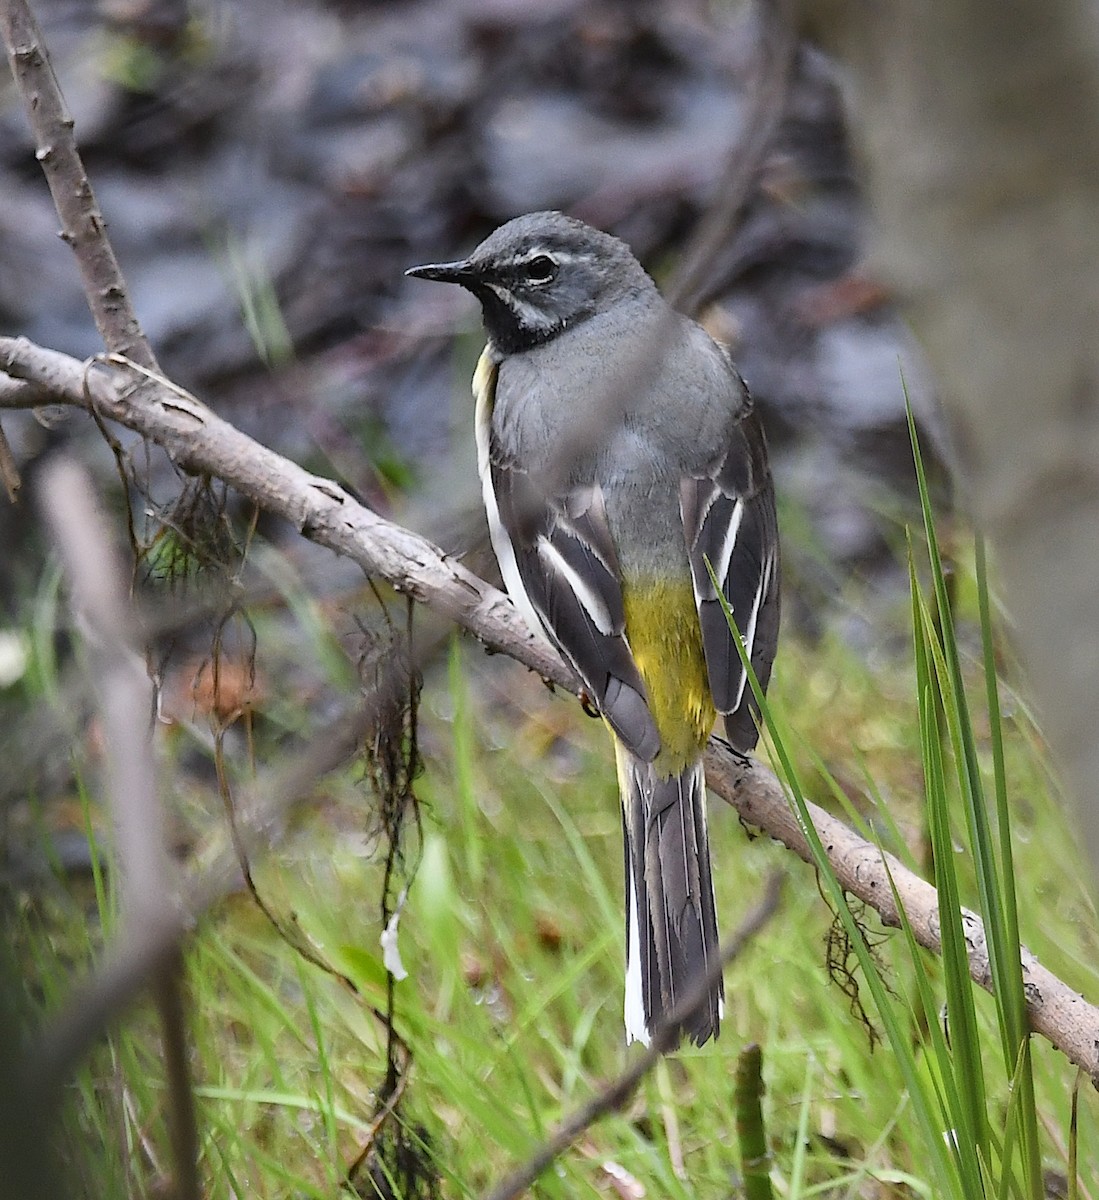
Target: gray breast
635	399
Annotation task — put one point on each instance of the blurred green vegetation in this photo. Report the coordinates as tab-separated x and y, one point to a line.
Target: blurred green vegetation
513	942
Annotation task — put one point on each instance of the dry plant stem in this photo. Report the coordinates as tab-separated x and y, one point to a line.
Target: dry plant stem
778	44
168	995
82	224
99	598
619	1090
687	291
325	513
200	441
127	964
387	1110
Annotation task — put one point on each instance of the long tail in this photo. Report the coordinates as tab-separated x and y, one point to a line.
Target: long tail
671	925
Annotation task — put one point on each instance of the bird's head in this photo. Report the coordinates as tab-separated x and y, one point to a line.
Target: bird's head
540	274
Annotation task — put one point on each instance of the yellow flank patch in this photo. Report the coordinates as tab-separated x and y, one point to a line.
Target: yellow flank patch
664	635
484	381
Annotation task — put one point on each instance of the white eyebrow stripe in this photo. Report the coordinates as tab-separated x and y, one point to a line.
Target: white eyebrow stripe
558	256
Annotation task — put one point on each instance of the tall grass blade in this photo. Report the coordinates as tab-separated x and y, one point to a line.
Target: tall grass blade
1023	1101
943	1165
971	1127
992	858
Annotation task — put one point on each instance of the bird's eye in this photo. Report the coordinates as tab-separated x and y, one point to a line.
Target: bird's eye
541	269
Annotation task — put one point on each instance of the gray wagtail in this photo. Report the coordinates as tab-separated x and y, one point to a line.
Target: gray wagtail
619	455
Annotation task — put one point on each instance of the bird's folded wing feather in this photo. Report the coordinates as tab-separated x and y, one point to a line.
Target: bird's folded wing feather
567	563
729	521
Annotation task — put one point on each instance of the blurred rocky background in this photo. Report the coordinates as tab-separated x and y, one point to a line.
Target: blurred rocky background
268	169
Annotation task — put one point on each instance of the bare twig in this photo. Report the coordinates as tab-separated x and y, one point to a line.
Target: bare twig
411	564
619	1090
127	964
140	834
82	224
689	287
778	44
135	396
1054	1010
16	394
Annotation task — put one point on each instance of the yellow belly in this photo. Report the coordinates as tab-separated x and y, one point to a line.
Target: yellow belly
664	635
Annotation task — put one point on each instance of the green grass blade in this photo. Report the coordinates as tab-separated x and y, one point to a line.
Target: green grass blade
972	1120
944	1078
464	772
942	1163
992	858
952	689
1017	1031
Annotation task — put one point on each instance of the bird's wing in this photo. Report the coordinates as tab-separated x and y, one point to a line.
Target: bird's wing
560	566
569	573
729	521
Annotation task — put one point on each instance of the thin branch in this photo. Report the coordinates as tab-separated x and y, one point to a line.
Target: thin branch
329	516
778	45
99	596
99	600
618	1091
692	282
198	440
125	967
82	224
1054	1010
15	394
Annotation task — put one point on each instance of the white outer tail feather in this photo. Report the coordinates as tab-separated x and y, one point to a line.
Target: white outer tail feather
671	925
637	1028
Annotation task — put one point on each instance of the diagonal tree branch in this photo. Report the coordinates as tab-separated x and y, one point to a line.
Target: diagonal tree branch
127	964
127	389
615	1094
82	224
776	56
200	441
127	704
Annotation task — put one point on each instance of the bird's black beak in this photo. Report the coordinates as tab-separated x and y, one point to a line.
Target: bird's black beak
460	272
